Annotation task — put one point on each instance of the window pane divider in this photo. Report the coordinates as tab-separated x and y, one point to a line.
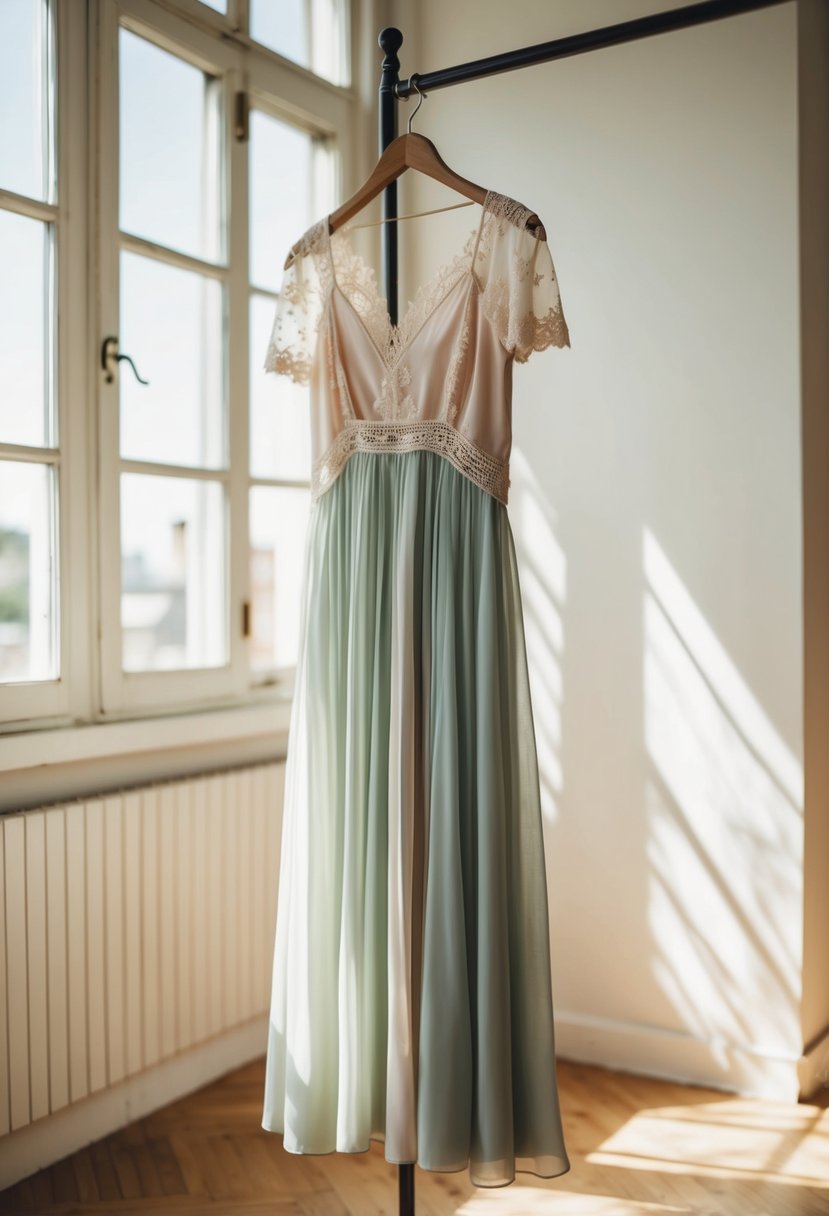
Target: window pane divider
152	468
30	455
281	483
172	257
34	208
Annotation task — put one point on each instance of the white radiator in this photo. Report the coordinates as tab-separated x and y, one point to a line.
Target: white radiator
137	925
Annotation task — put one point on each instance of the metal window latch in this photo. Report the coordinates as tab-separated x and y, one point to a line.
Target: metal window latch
109	356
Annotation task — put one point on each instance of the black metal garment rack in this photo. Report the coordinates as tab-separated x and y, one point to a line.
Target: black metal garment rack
393	88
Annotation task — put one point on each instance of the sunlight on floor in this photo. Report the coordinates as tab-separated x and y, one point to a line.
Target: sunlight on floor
691	1152
532	1201
724	1140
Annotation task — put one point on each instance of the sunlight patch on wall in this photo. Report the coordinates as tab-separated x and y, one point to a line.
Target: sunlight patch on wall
724	806
543	578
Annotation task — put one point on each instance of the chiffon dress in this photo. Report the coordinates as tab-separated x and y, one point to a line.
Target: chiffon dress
412	997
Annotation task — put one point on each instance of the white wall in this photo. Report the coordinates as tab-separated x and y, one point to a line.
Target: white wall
656	503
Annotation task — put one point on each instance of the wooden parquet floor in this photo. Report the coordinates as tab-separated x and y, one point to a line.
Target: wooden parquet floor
637	1146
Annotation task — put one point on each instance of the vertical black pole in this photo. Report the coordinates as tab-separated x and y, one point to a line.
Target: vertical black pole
405	1175
390	40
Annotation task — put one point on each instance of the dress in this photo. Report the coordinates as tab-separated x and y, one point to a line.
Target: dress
412	997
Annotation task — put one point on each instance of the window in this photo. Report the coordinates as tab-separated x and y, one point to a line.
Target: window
173	536
32	499
313	33
161	573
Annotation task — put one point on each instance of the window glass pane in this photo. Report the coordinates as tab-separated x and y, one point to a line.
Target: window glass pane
219	5
28	562
283	28
278	526
169	149
329	39
280	440
173	573
292	181
26	399
24	97
281	194
313	33
172	327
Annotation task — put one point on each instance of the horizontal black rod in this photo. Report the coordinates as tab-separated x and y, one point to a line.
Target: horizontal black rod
590	40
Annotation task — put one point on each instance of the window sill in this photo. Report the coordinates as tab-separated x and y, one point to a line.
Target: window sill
58	765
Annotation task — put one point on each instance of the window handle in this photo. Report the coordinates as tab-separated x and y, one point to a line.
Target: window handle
107	357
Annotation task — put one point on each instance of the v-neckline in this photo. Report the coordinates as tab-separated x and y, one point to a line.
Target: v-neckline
396	335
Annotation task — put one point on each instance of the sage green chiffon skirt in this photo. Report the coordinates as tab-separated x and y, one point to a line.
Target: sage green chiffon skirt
412	998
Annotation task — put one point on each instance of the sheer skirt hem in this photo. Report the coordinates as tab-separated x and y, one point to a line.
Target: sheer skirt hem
542	1166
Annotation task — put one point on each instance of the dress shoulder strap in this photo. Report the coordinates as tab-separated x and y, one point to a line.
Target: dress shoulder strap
508	209
312	241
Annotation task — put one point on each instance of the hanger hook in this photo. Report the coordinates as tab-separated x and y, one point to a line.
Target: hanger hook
421	94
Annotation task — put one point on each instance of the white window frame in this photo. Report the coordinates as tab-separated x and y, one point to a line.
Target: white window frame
66	697
92	691
241	69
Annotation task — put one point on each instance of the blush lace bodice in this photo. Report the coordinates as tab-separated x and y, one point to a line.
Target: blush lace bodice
442	378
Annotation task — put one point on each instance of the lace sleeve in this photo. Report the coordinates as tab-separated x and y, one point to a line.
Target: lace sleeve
521	296
298	308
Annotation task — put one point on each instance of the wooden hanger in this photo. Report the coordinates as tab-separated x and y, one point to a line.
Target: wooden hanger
411	151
